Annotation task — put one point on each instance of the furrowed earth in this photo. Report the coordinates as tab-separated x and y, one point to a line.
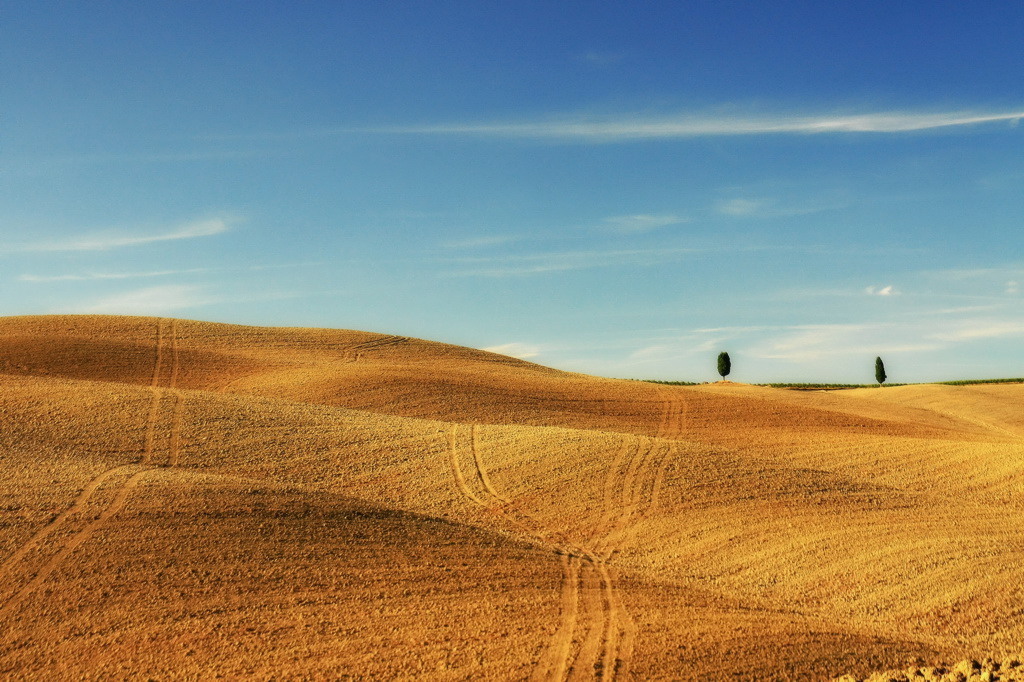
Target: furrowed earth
199	500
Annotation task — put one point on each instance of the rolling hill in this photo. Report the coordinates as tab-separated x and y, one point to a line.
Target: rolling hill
190	499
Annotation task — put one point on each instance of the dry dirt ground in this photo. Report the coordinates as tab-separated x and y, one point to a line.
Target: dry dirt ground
192	500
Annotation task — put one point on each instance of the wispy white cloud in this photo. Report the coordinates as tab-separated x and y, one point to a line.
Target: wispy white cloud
675	348
152	300
973	330
771	207
105	241
957	310
523	351
643	222
741	207
653	352
540	263
816	342
999	272
537	263
740	330
94	276
688	126
994	282
102	276
483	241
888	290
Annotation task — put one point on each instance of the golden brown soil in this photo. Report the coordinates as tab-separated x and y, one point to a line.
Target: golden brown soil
186	499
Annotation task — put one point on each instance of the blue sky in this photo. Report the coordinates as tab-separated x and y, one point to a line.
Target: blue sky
616	188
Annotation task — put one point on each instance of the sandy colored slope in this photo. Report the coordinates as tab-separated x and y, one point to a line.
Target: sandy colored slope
415	378
209	576
205	499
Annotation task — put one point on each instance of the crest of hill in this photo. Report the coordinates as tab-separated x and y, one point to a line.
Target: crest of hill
121	348
324	366
409	377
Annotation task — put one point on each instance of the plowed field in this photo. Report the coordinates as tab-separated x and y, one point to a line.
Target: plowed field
188	499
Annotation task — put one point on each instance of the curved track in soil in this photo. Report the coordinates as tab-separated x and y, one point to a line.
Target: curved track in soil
631	490
132	476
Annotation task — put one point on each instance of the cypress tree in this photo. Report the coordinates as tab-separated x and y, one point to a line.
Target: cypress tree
879	371
724	364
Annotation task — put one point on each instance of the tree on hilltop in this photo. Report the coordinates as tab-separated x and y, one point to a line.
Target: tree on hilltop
724	364
879	371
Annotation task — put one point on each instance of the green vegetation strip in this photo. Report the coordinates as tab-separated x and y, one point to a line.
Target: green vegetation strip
832	387
971	382
820	387
669	383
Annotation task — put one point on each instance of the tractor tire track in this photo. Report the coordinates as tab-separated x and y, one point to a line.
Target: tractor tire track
354	353
554	663
671	428
673	415
174	442
527	525
620	629
459	478
156	395
174	447
608	499
76	541
555	659
629	495
646	469
78	506
618	663
624	508
481	470
602	655
503	506
659	479
155	399
175	365
159	393
614	627
597	619
158	363
594	641
66	546
596	635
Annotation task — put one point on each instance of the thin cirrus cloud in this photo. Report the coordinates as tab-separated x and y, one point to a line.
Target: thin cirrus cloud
816	342
515	349
541	263
754	204
643	222
741	207
106	241
888	290
105	276
974	330
483	241
102	276
691	126
152	300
